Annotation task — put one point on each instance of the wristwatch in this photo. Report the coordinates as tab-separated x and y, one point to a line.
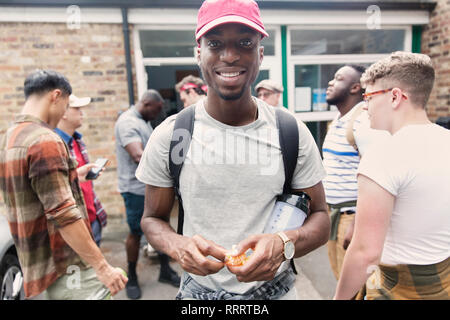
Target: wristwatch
289	248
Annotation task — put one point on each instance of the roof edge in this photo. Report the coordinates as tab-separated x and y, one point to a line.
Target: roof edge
263	4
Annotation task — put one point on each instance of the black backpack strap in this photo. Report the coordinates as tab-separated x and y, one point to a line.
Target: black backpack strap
179	146
288	134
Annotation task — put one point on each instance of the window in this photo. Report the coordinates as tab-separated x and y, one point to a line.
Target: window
316	53
350	41
311	82
167	43
269	43
181	43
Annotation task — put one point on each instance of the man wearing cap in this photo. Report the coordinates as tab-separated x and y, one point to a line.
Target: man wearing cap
269	91
191	89
228	202
67	126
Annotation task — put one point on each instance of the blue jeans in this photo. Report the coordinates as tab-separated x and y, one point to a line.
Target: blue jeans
97	231
270	290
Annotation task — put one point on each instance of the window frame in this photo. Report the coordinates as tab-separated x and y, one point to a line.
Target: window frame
294	60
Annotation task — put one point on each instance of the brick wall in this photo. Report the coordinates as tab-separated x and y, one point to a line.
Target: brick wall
436	44
93	60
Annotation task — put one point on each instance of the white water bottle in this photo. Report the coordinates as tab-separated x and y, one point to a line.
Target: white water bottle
289	213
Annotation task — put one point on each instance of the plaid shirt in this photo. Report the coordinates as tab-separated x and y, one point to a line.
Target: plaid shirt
39	183
100	212
269	290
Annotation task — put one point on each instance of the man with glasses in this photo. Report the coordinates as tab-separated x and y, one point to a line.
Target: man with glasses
347	137
269	91
402	230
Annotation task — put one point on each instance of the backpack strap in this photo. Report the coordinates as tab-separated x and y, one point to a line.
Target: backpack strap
349	132
179	146
288	135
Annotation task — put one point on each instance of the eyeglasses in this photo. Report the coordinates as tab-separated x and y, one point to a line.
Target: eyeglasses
366	96
264	94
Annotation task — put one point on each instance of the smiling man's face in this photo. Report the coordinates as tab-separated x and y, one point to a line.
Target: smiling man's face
229	57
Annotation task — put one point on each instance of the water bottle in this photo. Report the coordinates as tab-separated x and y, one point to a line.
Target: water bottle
289	213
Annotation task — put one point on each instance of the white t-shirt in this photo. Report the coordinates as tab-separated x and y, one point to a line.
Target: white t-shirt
414	166
230	179
341	160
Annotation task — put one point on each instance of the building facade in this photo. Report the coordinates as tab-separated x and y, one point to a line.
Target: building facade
113	51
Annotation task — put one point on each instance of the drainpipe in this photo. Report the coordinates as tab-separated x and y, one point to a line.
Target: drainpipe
126	40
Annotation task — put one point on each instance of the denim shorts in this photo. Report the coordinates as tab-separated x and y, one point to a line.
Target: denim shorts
97	231
134	206
271	290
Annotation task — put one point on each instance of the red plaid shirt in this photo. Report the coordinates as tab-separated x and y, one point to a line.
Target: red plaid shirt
76	138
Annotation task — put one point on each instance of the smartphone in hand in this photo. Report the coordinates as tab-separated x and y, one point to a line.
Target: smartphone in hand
93	173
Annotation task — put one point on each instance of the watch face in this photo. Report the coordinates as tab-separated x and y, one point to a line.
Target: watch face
289	250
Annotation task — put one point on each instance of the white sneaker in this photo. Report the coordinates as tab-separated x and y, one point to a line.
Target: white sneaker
149	251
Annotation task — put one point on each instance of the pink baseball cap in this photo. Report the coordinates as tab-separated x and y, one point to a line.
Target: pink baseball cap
188	86
213	13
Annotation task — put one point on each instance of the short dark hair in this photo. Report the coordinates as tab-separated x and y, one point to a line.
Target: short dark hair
356	67
152	95
43	81
360	70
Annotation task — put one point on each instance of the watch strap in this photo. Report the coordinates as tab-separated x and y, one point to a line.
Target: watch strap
283	237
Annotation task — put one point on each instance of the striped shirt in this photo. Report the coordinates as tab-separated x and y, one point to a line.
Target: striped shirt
39	184
341	160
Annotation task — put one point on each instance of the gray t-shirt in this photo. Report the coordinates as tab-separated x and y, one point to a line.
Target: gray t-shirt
130	127
230	179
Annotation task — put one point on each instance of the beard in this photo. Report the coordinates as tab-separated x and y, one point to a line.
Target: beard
231	97
335	100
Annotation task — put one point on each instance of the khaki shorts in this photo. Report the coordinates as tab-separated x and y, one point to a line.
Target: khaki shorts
78	285
336	251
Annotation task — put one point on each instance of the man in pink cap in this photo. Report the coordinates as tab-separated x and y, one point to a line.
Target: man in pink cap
227	201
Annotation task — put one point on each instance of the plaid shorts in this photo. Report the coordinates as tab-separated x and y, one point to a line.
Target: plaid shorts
410	282
270	290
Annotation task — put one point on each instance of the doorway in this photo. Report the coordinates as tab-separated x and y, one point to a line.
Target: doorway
163	79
